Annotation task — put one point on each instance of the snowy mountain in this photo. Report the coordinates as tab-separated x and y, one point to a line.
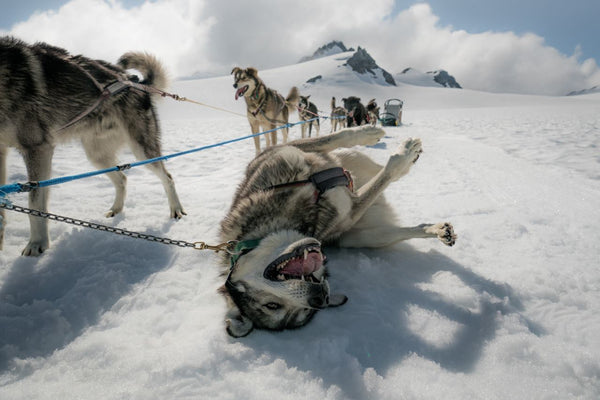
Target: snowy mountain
509	312
595	89
431	78
331	48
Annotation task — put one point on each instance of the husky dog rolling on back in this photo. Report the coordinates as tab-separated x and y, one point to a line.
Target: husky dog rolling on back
308	111
293	199
265	108
42	91
338	116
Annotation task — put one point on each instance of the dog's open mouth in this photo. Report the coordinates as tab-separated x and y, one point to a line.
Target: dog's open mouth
304	263
241	91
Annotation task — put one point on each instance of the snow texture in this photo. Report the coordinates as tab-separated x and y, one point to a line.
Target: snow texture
510	312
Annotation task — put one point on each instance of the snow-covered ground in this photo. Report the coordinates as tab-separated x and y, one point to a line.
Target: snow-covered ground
510	312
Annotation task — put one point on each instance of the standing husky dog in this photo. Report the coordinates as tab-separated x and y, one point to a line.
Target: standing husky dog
372	112
43	89
265	108
308	111
338	116
294	198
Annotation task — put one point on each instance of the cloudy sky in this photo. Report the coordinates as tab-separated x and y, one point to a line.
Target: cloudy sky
531	46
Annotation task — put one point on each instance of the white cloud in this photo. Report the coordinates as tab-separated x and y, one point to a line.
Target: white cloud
211	36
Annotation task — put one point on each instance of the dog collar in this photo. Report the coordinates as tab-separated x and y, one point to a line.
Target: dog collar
242	247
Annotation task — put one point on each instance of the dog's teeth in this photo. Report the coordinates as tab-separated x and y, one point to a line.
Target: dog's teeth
281	277
305	254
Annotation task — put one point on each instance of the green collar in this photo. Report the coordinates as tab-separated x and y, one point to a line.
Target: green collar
242	247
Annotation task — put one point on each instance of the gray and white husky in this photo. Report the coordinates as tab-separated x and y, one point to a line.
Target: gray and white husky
295	198
43	89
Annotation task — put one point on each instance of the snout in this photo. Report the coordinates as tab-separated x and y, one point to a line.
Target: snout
319	297
235	85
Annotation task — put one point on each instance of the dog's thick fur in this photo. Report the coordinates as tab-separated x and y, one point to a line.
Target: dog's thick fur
372	112
43	88
307	111
266	109
357	113
338	116
282	282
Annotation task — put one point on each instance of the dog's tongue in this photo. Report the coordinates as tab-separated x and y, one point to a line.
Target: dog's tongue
304	266
239	92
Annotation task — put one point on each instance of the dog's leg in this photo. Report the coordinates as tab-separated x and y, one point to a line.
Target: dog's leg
397	166
273	135
255	128
38	161
3	155
101	151
364	136
147	148
303	130
386	235
285	132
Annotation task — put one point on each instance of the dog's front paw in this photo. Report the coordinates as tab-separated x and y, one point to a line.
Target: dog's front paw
368	135
444	231
177	213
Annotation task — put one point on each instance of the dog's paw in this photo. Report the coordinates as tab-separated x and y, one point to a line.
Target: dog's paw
407	154
177	213
367	135
444	232
412	149
35	248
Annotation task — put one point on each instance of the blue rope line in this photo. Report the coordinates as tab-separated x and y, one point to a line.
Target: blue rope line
26	187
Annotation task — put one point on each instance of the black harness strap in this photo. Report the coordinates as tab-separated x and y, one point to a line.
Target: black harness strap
323	180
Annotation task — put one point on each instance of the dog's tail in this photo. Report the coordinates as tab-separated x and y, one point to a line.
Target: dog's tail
152	70
333	103
293	99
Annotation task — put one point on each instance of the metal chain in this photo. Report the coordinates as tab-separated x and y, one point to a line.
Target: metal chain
227	246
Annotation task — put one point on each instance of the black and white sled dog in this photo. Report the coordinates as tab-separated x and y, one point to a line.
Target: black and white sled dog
372	112
307	111
43	89
295	198
357	113
265	107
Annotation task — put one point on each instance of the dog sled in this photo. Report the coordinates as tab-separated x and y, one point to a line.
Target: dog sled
392	113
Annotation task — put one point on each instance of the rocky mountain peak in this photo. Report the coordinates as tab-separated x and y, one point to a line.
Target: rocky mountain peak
361	62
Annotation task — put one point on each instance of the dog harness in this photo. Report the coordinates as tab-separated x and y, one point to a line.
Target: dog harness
323	181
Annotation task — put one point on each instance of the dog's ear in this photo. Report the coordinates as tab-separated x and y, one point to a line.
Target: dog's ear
336	300
236	324
252	71
235	70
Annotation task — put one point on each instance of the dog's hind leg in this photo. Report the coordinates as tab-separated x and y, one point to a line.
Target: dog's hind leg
38	161
3	155
385	234
101	151
148	146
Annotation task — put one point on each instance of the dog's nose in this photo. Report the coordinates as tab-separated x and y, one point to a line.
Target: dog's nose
319	301
235	85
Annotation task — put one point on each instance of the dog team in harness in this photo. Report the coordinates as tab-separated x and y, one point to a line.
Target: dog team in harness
295	198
